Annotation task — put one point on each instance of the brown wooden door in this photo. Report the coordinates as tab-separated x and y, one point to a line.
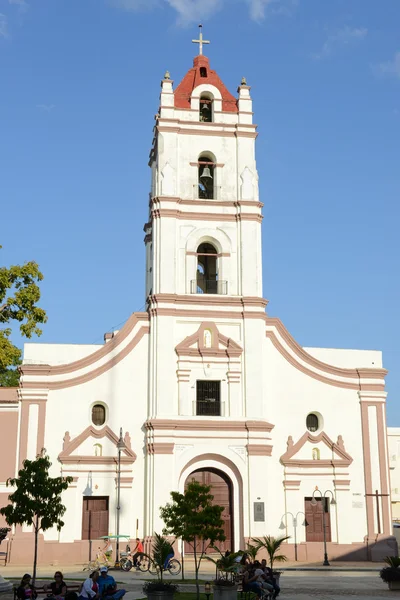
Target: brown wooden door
314	518
221	489
94	517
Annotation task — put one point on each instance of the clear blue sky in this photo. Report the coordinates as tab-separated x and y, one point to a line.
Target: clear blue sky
80	81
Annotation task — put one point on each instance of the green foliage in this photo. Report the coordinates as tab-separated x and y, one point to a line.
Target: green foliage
389	574
19	295
161	548
252	551
159	586
36	499
392	561
272	546
9	377
226	565
193	517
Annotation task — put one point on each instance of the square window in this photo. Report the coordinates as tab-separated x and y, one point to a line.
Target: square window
208	400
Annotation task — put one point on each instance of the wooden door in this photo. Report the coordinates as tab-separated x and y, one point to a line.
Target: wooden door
314	518
94	517
221	489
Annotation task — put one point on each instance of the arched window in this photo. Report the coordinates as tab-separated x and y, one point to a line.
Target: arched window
207	276
206	108
98	450
316	454
312	422
98	414
206	178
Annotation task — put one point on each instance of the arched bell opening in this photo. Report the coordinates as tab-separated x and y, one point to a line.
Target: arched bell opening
206	178
206	110
207	269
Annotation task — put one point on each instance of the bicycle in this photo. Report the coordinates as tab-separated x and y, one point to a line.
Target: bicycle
145	563
101	560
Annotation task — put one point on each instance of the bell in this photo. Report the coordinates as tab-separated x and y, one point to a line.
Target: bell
206	174
205	107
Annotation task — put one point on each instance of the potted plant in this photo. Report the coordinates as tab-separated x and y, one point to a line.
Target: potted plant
272	545
159	589
225	585
391	573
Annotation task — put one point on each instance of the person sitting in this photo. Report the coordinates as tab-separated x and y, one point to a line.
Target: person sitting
269	577
108	586
26	591
170	555
90	587
250	583
58	587
262	578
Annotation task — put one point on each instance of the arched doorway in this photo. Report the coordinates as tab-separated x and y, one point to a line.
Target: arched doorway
222	490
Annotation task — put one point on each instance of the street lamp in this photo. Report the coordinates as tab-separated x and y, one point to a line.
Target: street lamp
314	503
294	523
120	446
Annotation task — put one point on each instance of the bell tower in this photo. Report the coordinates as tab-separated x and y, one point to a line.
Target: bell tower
203	236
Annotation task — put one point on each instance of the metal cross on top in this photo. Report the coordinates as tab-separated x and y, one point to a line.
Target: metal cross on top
200	41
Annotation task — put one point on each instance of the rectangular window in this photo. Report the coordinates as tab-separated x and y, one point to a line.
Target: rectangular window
208	400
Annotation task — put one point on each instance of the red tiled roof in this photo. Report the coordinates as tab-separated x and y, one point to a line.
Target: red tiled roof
192	79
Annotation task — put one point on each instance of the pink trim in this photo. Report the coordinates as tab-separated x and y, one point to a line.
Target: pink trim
160	448
66	457
220	255
291	484
203	425
384	470
338	371
176	312
367	469
259	450
208	132
234	301
9	395
342	484
66	383
92	358
230	348
210	203
350	373
343	460
8	443
172	213
41	426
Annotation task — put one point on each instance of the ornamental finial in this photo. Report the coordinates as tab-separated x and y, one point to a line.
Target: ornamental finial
244	81
167	75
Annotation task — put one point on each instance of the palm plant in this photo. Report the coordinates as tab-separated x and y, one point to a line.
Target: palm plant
251	550
159	554
272	546
226	565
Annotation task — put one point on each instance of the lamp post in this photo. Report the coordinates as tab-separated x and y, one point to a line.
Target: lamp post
324	497
120	447
295	521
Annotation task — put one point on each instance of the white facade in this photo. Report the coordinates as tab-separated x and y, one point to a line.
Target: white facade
206	322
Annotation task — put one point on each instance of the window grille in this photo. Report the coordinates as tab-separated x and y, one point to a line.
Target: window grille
98	414
312	422
208	401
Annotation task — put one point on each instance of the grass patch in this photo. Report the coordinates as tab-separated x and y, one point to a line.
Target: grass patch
186	596
188	581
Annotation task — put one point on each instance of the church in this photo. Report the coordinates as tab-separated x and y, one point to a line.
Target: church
204	384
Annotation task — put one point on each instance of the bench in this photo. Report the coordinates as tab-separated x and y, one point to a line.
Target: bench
71	587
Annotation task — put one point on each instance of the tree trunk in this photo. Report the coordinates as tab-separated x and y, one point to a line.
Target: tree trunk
196	568
36	528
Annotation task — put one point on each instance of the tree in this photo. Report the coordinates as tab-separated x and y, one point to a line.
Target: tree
193	517
19	295
272	546
37	499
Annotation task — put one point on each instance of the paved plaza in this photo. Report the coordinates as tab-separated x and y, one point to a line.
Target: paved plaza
299	585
